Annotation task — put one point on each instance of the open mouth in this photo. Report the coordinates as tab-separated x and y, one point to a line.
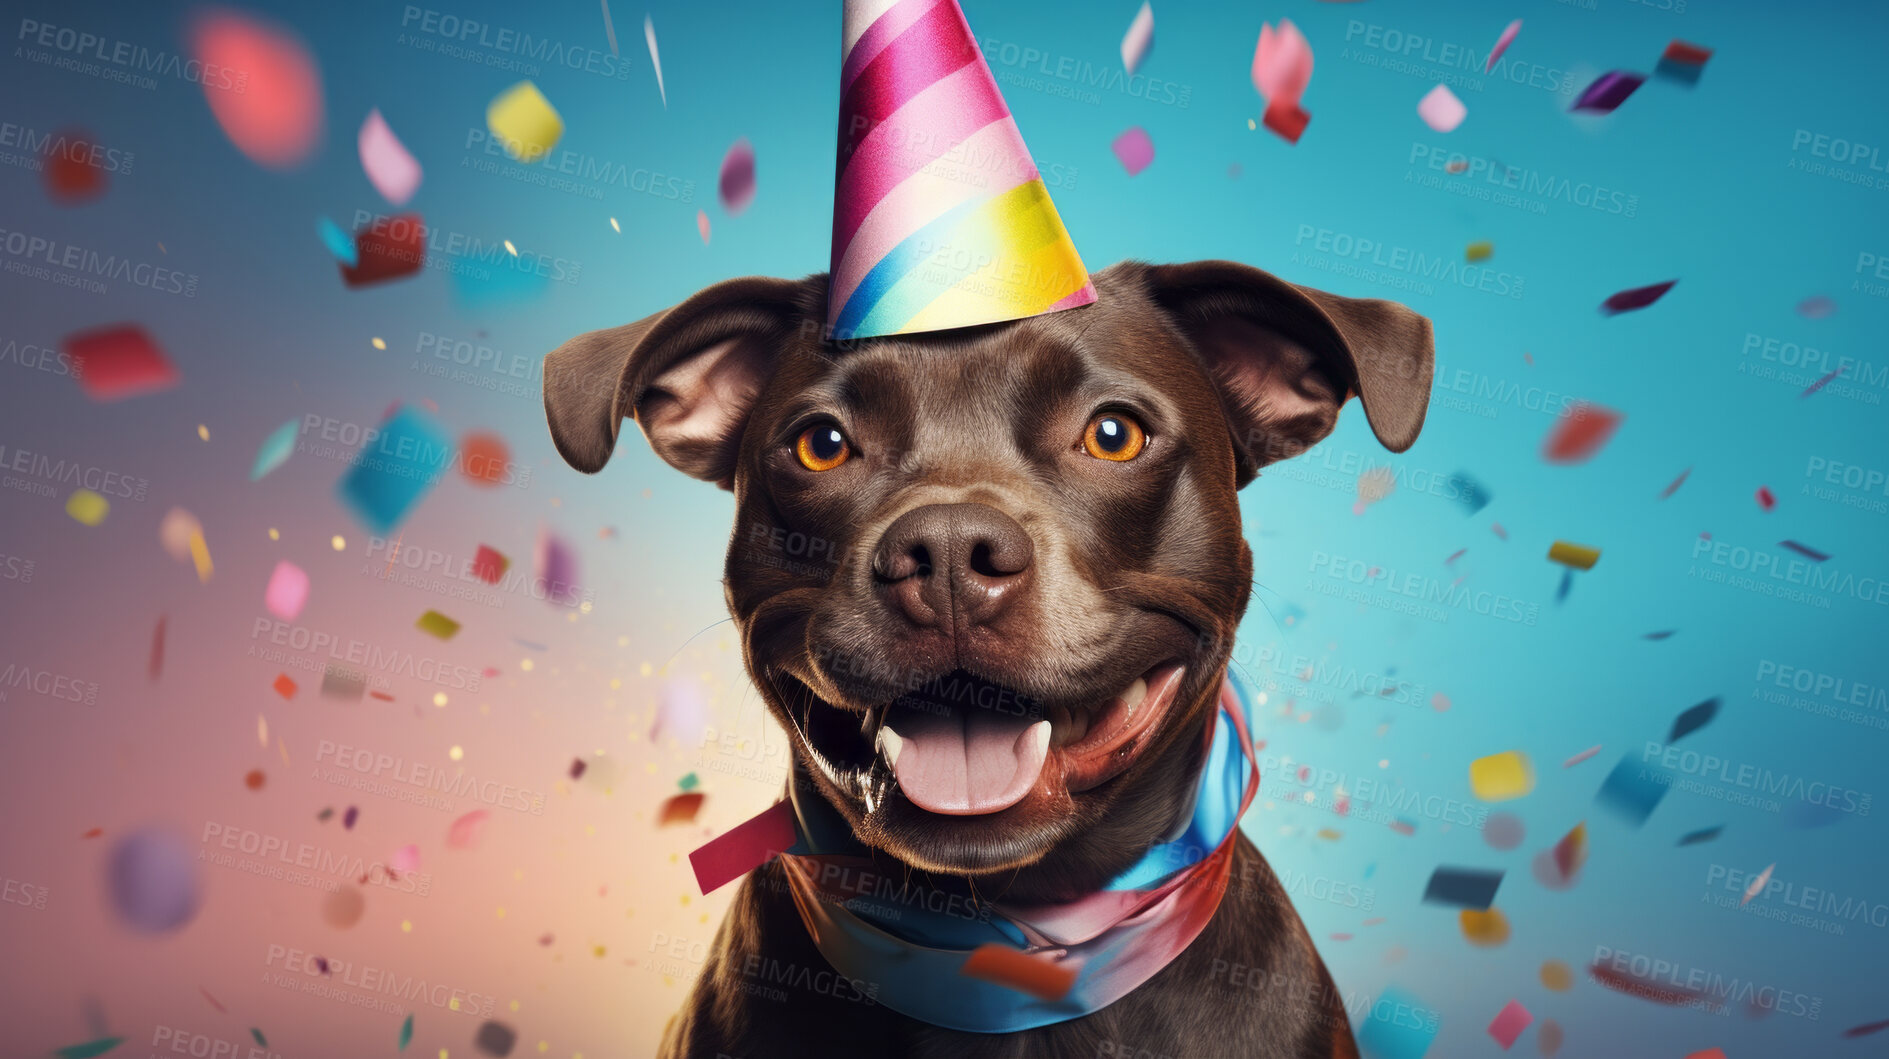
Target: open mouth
980	748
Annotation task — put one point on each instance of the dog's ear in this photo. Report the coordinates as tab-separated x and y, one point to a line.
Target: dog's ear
1285	358
689	376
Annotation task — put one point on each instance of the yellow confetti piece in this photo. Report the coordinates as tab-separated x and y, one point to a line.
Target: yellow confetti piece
524	121
439	699
200	555
339	543
1557	976
380	343
1501	777
615	225
274	534
406	926
1484	929
1479	251
510	248
456	753
1578	556
284	748
203	432
87	508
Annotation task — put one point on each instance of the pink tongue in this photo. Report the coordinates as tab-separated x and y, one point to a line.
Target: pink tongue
966	760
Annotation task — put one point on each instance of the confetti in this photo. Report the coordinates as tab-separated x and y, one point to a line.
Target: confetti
1819	384
1287	121
1441	110
577	768
1693	719
343	907
1817	307
1471	493
284	686
655	61
1578	556
1557	976
340	682
1608	91
1757	885
411	450
1650	988
214	1002
153	881
87	508
466	831
405	859
1496	528
256	1033
1677	482
1571	852
1631	792
1502	777
737	184
688	782
1513	1018
1866	1029
1662	634
119	361
1706	834
433	623
701	225
406	1033
485	459
273	114
1134	150
1039	976
681	712
1485	930
1481	251
388	249
175	530
495	1039
1582	756
156	667
1767	500
339	243
1579	433
1709	1053
1471	888
393	171
524	122
556	564
489	565
1682	62
348	818
744	847
71	174
1503	831
1396	1027
90	1048
1805	550
254	779
274	451
287	592
1501	45
200	557
1567	585
680	808
1635	298
1139	38
1282	65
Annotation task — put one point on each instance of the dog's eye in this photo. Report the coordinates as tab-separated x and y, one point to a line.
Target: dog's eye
822	448
1114	436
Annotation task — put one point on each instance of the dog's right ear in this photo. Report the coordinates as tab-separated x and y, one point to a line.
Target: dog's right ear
689	376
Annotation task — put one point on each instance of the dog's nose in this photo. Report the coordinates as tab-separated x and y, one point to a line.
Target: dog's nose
945	563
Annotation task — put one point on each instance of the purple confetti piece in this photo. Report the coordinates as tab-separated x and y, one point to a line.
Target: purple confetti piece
1816	307
1806	551
1661	635
1134	149
1820	383
1637	298
737	177
557	569
153	881
353	814
1608	91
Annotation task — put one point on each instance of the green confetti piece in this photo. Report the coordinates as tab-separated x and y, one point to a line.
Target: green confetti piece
688	782
436	624
275	450
406	1033
260	1039
90	1048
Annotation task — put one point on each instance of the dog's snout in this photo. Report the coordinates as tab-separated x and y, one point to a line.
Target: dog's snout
945	563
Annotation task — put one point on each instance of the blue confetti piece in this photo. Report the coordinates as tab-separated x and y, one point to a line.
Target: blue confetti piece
1693	719
499	279
392	472
1473	495
1567	585
339	243
1463	888
1399	1027
275	450
1631	791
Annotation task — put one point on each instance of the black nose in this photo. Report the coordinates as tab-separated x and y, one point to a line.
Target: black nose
945	564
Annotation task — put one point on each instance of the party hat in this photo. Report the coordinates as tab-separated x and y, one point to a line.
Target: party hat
940	218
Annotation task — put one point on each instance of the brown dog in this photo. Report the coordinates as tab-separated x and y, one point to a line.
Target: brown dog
1046	508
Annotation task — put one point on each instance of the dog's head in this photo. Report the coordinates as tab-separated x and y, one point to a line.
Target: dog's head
989	578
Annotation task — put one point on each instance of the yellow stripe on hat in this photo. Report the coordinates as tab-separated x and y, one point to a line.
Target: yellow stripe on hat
1034	265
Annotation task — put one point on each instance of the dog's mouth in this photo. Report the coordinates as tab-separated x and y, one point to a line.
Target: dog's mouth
962	745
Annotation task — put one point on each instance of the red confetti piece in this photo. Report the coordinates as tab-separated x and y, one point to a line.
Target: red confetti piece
466	830
743	848
1577	435
382	696
388	249
71	174
680	808
94	833
213	1001
1677	482
284	686
484	458
273	111
1866	1029
118	361
1637	298
255	779
577	768
1287	121
1648	989
488	566
1005	966
1815	307
1766	499
156	668
1805	550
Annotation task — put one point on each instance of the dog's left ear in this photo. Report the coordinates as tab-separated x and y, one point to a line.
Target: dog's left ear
1285	358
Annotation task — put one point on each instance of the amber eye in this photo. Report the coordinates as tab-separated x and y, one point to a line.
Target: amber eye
1113	436
822	448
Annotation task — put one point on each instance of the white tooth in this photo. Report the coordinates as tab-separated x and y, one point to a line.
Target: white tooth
1135	693
890	743
1039	734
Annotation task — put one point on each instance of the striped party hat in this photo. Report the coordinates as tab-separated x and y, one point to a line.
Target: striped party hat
940	218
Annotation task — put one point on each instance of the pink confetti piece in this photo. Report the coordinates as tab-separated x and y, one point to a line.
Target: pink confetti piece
1440	702
274	115
287	591
1138	39
1513	1018
1496	528
1677	482
466	831
655	61
1282	65
389	166
1441	110
1635	298
1766	499
1806	551
1757	885
405	859
701	225
1501	45
1458	554
737	177
1582	756
1134	150
1820	383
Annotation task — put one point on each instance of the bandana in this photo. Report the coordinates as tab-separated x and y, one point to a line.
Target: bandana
910	944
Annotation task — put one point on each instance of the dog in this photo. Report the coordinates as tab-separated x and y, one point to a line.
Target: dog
1045	510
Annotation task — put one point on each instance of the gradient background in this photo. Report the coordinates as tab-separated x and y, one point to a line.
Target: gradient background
1720	201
